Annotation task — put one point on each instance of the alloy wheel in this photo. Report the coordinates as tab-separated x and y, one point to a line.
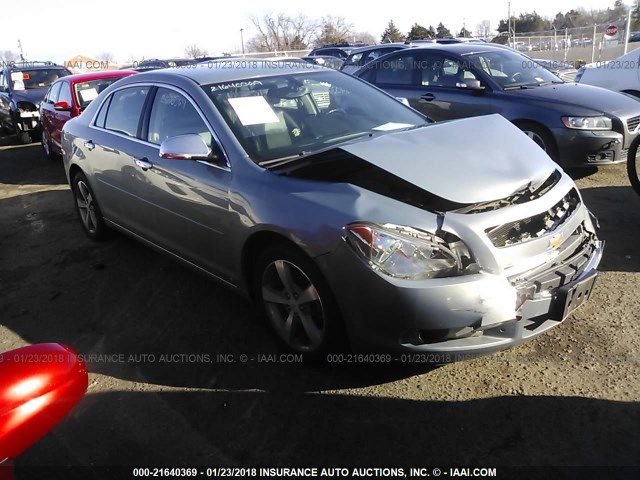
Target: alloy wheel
293	305
86	207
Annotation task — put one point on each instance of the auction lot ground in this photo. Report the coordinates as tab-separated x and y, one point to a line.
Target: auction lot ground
569	397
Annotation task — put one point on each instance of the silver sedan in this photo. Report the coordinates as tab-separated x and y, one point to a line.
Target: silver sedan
342	212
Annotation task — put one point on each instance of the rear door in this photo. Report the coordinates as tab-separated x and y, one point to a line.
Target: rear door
114	148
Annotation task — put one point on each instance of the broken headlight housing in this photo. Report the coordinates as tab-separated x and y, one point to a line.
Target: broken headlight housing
407	253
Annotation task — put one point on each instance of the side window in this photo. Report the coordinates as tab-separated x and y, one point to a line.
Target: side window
441	71
54	92
172	114
123	115
65	93
397	71
3	82
102	115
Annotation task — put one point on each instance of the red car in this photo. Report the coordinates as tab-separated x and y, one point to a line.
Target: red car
67	98
39	385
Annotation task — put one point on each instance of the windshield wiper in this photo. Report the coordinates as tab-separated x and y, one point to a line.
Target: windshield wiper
518	87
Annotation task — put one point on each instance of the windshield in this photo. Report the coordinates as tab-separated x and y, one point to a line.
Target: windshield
288	115
32	79
511	69
87	91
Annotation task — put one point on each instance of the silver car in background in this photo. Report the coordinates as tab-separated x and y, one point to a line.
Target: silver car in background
342	212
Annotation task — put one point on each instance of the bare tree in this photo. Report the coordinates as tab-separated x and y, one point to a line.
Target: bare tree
364	37
333	30
106	57
282	32
7	56
194	51
483	29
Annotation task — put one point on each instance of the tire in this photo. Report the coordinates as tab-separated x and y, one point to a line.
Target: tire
88	209
46	147
540	136
297	302
25	138
633	165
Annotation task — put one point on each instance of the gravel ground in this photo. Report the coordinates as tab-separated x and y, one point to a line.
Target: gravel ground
570	397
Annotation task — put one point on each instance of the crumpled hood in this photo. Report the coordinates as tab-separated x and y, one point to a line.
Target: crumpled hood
34	96
468	161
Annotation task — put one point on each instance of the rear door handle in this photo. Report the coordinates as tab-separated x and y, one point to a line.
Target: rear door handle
144	163
427	97
89	145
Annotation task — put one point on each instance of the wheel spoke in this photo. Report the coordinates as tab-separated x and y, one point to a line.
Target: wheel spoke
271	295
93	221
310	328
284	272
309	295
287	328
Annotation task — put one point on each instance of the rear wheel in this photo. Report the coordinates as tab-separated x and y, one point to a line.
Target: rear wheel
633	165
88	209
297	302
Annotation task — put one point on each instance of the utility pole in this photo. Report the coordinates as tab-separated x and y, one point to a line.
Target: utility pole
20	48
242	40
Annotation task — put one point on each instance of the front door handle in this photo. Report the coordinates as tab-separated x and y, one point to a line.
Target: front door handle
144	163
89	145
427	97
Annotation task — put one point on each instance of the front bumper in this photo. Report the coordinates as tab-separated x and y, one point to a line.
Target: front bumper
459	317
583	147
26	121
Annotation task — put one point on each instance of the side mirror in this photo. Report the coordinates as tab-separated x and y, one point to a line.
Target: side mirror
62	106
186	147
470	84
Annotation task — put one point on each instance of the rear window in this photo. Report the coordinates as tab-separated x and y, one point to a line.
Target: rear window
85	92
40	78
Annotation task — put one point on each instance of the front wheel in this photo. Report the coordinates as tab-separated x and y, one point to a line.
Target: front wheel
633	165
88	209
25	138
46	146
297	302
540	136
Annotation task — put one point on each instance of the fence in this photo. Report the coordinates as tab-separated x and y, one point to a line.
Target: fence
588	44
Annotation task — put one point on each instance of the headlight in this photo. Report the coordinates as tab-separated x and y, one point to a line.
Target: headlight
588	123
404	252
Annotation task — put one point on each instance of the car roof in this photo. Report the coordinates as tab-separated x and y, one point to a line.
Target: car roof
33	65
237	69
87	77
376	47
464	48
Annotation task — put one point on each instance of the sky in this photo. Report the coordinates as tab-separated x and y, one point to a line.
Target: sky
131	29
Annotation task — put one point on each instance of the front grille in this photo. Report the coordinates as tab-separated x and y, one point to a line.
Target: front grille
633	123
520	231
573	257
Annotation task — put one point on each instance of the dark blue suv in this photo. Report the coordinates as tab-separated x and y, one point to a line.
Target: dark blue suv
23	85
